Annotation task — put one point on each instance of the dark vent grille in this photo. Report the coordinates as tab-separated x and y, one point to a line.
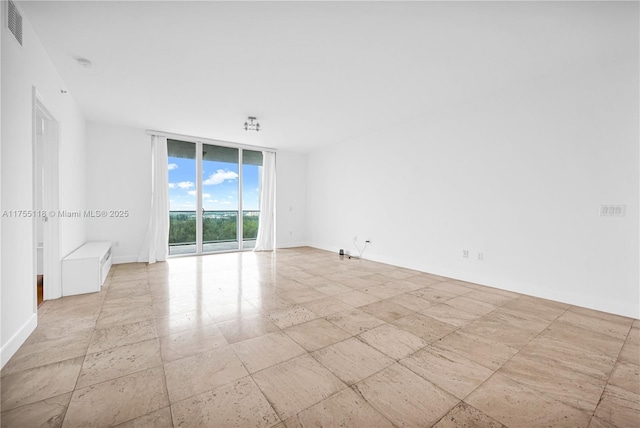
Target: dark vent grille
15	22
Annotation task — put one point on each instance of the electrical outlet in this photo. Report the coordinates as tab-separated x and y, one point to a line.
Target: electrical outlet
480	256
116	244
465	254
355	238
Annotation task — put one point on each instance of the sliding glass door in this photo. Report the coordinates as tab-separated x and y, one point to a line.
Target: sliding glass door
251	185
214	196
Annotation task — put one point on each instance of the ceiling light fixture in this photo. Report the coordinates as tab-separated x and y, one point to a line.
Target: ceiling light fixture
252	124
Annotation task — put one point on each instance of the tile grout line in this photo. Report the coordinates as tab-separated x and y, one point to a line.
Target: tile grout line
593	415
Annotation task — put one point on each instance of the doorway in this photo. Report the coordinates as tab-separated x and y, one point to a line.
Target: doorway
45	202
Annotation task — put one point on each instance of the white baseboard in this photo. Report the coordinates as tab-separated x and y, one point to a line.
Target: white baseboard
16	341
292	245
627	309
125	259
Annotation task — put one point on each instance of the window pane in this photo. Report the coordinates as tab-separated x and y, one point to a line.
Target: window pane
219	198
251	178
182	197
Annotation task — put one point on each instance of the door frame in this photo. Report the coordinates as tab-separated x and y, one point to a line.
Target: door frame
200	203
51	203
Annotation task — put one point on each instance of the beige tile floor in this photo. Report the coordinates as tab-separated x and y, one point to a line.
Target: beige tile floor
304	338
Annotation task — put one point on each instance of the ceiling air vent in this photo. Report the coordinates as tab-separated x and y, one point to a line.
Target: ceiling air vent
14	21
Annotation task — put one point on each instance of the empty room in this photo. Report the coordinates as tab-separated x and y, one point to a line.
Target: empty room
320	214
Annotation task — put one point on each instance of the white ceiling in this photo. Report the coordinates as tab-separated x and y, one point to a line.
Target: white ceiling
313	73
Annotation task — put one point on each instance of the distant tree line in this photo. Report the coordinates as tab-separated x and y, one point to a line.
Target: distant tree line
182	228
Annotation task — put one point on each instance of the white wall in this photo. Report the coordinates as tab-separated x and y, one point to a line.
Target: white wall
291	199
119	178
519	175
22	68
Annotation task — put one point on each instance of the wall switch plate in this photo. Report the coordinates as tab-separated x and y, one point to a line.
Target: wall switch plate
613	210
465	254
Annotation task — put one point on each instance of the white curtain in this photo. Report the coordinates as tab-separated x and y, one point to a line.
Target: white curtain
266	240
156	242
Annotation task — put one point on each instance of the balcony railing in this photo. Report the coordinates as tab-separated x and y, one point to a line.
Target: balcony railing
219	230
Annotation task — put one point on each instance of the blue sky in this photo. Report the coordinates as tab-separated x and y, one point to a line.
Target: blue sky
219	189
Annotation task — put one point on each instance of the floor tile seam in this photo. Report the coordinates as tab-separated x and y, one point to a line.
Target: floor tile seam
355	388
351	387
502	424
166	391
528	317
311	405
46	343
162	358
368	329
547	395
524	387
500	369
142	279
626	339
271	404
48	364
244	365
134	307
306	353
504	363
531	340
319	349
621	387
66	409
495	306
438	386
126	344
395	359
583	348
476	319
466	404
44	399
112	379
609	376
568	369
359	339
73	389
598	318
595	331
122	346
457	328
202	392
108	326
128	295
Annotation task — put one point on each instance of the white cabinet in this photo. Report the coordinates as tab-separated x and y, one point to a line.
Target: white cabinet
85	270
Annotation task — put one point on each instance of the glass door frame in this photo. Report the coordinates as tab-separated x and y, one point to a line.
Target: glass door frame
200	206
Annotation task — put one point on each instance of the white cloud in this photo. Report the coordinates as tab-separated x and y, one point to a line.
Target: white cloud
225	203
173	166
219	177
183	207
204	195
172	185
186	184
